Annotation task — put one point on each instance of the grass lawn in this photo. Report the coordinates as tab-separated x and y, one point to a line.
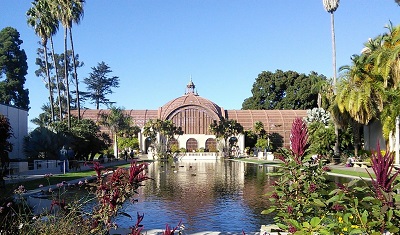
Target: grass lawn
351	172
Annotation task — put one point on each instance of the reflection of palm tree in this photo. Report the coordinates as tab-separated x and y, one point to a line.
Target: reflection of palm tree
40	18
331	6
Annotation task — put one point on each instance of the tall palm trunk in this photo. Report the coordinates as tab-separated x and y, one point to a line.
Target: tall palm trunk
66	77
336	149
57	78
331	6
75	74
333	50
48	80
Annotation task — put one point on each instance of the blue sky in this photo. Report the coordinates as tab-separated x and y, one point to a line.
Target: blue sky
155	46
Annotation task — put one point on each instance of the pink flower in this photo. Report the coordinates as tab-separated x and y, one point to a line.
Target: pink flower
290	209
298	139
292	229
9	204
80	183
40	185
313	187
326	168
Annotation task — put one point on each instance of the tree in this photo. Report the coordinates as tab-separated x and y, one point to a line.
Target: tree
166	130
99	84
5	147
331	6
321	132
283	90
68	12
14	66
115	120
45	25
359	93
55	78
224	128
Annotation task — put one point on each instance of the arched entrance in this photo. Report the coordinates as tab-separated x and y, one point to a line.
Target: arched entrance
191	145
211	145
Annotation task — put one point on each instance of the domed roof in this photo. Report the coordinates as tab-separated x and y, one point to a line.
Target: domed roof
190	99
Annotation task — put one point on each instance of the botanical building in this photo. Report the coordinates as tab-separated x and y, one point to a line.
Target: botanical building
194	114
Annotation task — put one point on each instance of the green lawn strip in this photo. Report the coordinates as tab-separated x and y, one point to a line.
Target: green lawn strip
351	172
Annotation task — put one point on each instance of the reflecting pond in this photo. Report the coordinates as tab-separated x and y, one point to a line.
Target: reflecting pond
223	195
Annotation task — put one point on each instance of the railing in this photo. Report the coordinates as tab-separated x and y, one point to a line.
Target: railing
197	156
46	164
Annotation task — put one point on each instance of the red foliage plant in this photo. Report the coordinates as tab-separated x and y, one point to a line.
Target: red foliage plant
298	139
382	165
136	173
98	168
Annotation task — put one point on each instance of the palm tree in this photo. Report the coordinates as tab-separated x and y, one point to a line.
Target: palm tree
115	120
331	6
68	12
45	26
77	14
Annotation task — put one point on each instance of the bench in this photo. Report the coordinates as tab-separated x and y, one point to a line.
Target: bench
361	164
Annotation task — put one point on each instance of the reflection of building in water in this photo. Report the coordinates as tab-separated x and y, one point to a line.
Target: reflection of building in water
194	186
194	114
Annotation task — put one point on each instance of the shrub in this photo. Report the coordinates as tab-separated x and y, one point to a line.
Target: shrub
303	206
111	191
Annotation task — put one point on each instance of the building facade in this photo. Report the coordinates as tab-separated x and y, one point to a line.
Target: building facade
18	119
194	114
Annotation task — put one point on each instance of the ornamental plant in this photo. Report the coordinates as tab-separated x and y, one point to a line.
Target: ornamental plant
110	192
299	191
303	206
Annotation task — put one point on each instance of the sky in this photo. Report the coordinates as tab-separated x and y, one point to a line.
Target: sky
156	46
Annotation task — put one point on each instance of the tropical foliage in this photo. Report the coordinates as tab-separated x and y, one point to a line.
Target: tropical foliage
224	129
116	120
45	16
369	86
304	204
166	130
84	137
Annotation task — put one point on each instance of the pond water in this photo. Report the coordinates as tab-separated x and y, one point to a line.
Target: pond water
223	195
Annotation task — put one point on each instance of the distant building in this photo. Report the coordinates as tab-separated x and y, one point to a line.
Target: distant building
194	114
18	119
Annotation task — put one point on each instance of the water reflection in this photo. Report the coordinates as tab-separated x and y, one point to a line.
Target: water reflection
223	196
